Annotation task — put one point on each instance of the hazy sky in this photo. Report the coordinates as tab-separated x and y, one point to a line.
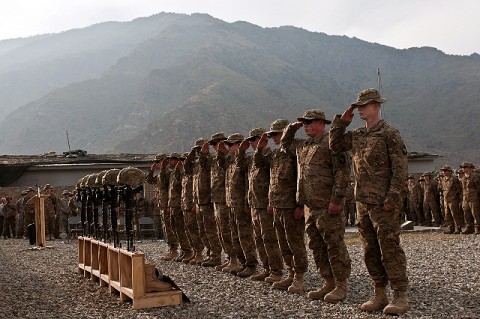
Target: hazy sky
451	26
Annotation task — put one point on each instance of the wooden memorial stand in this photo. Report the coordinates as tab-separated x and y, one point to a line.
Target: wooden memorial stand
40	239
123	272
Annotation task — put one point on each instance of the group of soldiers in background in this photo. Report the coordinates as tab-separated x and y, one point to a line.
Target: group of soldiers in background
15	217
449	200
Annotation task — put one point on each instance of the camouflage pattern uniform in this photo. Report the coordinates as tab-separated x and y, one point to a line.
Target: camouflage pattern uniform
350	205
430	202
415	201
20	215
189	209
9	212
471	200
322	179
29	206
265	237
162	182
51	209
207	187
282	197
64	214
380	166
452	190
174	206
236	184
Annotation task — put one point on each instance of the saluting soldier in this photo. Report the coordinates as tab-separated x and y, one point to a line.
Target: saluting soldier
430	201
471	198
415	200
20	214
452	190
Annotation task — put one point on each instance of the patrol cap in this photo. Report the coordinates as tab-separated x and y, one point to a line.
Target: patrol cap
314	114
278	126
234	138
367	96
256	132
446	168
467	164
174	155
217	137
160	156
199	143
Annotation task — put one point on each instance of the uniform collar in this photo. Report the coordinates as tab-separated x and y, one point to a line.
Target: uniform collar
375	128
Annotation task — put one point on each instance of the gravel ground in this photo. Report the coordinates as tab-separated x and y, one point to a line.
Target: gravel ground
444	271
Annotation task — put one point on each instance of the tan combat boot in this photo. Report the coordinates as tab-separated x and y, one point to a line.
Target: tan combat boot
285	283
212	262
468	230
274	277
173	253
298	284
152	283
247	272
198	259
377	302
225	264
179	258
319	294
189	255
337	294
233	264
260	276
399	305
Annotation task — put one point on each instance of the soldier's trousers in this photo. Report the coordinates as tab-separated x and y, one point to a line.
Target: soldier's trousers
50	225
157	223
29	218
170	235
242	226
222	218
416	212
349	210
290	234
20	219
266	241
201	230
179	228
9	227
453	218
326	240
211	233
193	233
431	209
471	211
383	255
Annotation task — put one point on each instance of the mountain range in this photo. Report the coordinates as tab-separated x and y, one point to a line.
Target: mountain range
156	84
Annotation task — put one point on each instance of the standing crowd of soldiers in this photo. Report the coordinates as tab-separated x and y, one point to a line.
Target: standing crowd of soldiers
449	200
257	206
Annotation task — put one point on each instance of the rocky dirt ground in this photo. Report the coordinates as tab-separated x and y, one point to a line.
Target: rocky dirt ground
444	271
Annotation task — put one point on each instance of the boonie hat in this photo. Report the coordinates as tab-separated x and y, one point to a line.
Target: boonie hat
234	138
278	126
314	114
367	96
217	137
467	164
256	132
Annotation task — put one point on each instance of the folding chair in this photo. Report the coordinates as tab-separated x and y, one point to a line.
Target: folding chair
74	226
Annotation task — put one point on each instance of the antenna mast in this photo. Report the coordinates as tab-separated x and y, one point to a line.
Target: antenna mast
68	141
379	79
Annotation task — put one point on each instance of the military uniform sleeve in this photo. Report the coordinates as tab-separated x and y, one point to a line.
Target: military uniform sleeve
398	160
288	142
339	140
150	178
341	171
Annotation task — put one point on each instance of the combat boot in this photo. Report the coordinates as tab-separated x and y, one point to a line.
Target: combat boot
298	284
399	305
247	272
179	258
468	230
285	283
337	294
260	276
173	253
220	267
457	231
377	302
233	264
198	259
449	230
189	255
477	230
212	262
319	294
152	283
274	277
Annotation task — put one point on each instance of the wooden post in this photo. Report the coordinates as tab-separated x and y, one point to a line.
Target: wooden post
39	202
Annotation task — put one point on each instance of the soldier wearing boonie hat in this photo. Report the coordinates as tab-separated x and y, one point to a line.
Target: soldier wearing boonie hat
377	147
217	137
52	205
471	198
431	205
20	213
265	237
322	182
452	191
289	227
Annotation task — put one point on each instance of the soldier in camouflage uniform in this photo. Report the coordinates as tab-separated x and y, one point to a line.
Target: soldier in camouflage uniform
51	208
162	181
471	198
29	217
430	201
452	190
262	216
9	213
20	214
380	166
349	207
236	185
415	200
216	165
175	207
323	179
188	206
289	220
